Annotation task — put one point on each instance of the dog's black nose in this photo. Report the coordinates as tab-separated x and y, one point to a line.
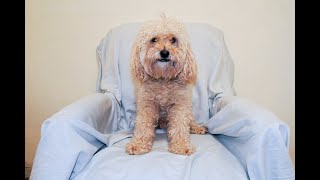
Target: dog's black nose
164	53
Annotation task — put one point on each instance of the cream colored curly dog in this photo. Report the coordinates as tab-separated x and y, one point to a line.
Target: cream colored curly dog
164	70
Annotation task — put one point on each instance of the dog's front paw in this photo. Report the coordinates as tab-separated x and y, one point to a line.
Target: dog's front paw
182	149
135	148
198	129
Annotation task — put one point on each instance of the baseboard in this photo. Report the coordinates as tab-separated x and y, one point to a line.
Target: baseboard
27	172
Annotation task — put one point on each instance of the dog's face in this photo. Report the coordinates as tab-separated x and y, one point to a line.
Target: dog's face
163	57
162	51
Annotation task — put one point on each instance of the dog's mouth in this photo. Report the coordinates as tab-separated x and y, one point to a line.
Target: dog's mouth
164	60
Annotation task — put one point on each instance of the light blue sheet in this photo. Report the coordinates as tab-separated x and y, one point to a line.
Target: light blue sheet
86	139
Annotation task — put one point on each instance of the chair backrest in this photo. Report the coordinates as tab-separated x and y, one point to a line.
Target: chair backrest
215	73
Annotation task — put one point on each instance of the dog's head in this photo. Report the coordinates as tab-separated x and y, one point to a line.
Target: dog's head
162	51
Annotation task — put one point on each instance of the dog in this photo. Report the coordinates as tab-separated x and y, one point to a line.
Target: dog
164	71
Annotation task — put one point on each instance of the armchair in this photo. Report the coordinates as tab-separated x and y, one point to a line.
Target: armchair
86	140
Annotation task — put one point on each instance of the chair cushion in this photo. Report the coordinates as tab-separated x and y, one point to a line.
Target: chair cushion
215	74
210	161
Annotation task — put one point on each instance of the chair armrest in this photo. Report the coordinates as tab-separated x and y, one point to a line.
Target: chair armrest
72	136
239	117
258	138
99	111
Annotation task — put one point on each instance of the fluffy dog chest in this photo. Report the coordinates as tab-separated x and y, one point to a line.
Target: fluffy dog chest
166	94
163	95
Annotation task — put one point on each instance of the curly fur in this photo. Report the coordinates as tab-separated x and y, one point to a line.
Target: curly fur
163	90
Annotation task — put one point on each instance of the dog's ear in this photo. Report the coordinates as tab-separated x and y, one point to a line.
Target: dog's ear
190	69
137	71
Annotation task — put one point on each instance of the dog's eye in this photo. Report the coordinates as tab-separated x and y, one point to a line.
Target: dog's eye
153	40
173	40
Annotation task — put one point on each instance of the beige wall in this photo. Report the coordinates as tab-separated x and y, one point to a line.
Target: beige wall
61	37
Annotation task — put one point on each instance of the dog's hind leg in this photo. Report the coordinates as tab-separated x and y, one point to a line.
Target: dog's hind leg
196	128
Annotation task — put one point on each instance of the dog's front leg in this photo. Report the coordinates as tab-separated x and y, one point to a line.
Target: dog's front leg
179	130
144	130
